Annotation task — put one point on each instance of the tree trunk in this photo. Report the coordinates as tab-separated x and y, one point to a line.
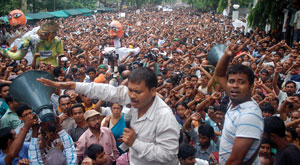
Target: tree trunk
33	6
24	6
121	5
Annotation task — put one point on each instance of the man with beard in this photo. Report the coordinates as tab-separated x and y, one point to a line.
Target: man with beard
290	87
274	131
243	126
65	117
80	125
154	132
97	135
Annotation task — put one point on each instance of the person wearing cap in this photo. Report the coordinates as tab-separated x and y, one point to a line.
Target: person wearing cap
96	134
153	135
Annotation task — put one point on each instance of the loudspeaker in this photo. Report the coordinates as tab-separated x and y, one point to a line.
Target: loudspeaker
25	89
215	54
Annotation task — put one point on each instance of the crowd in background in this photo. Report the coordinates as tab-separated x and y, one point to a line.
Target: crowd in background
175	45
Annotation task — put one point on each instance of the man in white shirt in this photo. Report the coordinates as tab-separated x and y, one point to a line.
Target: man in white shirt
153	137
243	126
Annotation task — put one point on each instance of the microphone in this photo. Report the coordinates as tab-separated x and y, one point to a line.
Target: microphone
127	118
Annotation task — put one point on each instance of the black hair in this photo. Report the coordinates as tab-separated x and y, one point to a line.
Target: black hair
185	151
143	74
91	69
68	76
3	85
76	105
111	104
93	150
21	109
5	134
187	66
274	125
63	96
293	133
8	99
291	82
238	68
206	130
264	71
191	76
183	104
265	141
57	71
267	108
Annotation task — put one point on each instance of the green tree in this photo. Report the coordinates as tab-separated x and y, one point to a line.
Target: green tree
266	12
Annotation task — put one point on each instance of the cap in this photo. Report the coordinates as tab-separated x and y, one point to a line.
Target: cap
90	113
102	66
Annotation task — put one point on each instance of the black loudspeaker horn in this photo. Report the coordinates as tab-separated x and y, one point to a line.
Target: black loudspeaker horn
25	89
215	54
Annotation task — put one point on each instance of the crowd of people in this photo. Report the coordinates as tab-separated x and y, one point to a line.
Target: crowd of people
166	104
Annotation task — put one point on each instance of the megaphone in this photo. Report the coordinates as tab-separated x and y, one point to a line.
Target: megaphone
25	89
215	54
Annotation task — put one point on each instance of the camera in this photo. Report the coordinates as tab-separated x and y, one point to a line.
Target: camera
111	56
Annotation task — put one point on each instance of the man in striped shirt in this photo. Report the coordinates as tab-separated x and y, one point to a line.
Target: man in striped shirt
243	126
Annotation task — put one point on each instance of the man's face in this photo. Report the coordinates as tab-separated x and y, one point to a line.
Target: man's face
266	114
204	141
220	116
25	113
65	104
265	148
287	64
159	80
77	114
295	115
140	95
101	158
263	75
94	122
188	161
92	75
290	89
4	91
194	81
238	88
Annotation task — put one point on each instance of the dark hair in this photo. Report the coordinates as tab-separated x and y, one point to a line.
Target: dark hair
143	74
91	70
238	68
21	109
185	151
8	99
57	71
293	133
93	150
68	76
206	130
183	104
76	105
5	134
265	141
3	85
274	125
191	76
291	82
63	96
267	108
264	71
